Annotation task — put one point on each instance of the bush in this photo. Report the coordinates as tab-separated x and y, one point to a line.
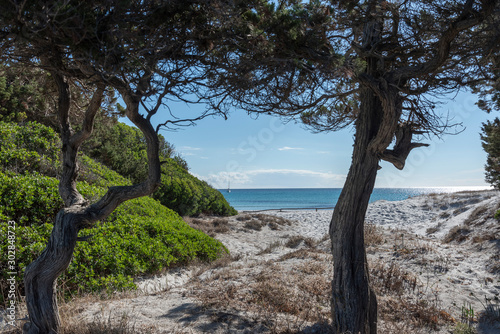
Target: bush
35	148
497	215
141	237
99	175
124	151
29	199
29	148
185	194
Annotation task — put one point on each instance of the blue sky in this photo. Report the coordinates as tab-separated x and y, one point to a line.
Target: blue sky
265	153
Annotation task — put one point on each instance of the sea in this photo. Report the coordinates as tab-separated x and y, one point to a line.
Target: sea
318	198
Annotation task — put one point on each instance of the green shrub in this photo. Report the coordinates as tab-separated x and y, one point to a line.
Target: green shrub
31	147
99	175
29	199
141	237
122	148
189	196
497	215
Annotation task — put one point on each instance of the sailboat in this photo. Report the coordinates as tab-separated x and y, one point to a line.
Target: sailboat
228	187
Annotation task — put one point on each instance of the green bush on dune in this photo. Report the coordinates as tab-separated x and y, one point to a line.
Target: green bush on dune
27	148
141	237
125	152
188	195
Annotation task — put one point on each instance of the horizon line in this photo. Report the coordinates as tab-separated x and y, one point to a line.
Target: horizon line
481	187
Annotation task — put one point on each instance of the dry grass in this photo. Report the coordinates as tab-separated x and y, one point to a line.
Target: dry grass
209	225
256	221
458	234
100	325
460	210
493	264
478	216
432	230
415	314
484	237
270	248
403	304
284	308
296	240
291	293
312	267
410	247
271	219
391	278
304	253
373	235
242	218
104	326
254	224
444	215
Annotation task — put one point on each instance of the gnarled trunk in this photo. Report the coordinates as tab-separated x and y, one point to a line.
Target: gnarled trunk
41	275
354	305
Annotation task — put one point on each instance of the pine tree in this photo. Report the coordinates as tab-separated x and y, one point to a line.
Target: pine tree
380	66
490	138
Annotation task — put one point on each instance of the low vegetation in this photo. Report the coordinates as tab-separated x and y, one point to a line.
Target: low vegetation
256	221
209	226
125	152
142	237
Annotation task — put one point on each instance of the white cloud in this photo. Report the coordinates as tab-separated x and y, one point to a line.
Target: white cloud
273	178
188	151
221	180
189	148
287	148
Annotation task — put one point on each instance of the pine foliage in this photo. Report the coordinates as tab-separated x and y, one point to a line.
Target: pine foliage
490	138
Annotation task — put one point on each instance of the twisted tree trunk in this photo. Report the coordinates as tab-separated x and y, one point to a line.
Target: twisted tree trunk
354	305
41	275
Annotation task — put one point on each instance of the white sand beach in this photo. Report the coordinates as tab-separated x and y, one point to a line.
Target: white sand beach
434	261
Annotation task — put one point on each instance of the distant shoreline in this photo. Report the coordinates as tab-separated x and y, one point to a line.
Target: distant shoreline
479	188
322	198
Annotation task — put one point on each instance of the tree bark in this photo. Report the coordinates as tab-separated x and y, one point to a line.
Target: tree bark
354	305
41	275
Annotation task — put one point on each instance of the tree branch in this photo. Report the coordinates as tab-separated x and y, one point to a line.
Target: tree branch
466	20
67	182
88	122
397	156
117	195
